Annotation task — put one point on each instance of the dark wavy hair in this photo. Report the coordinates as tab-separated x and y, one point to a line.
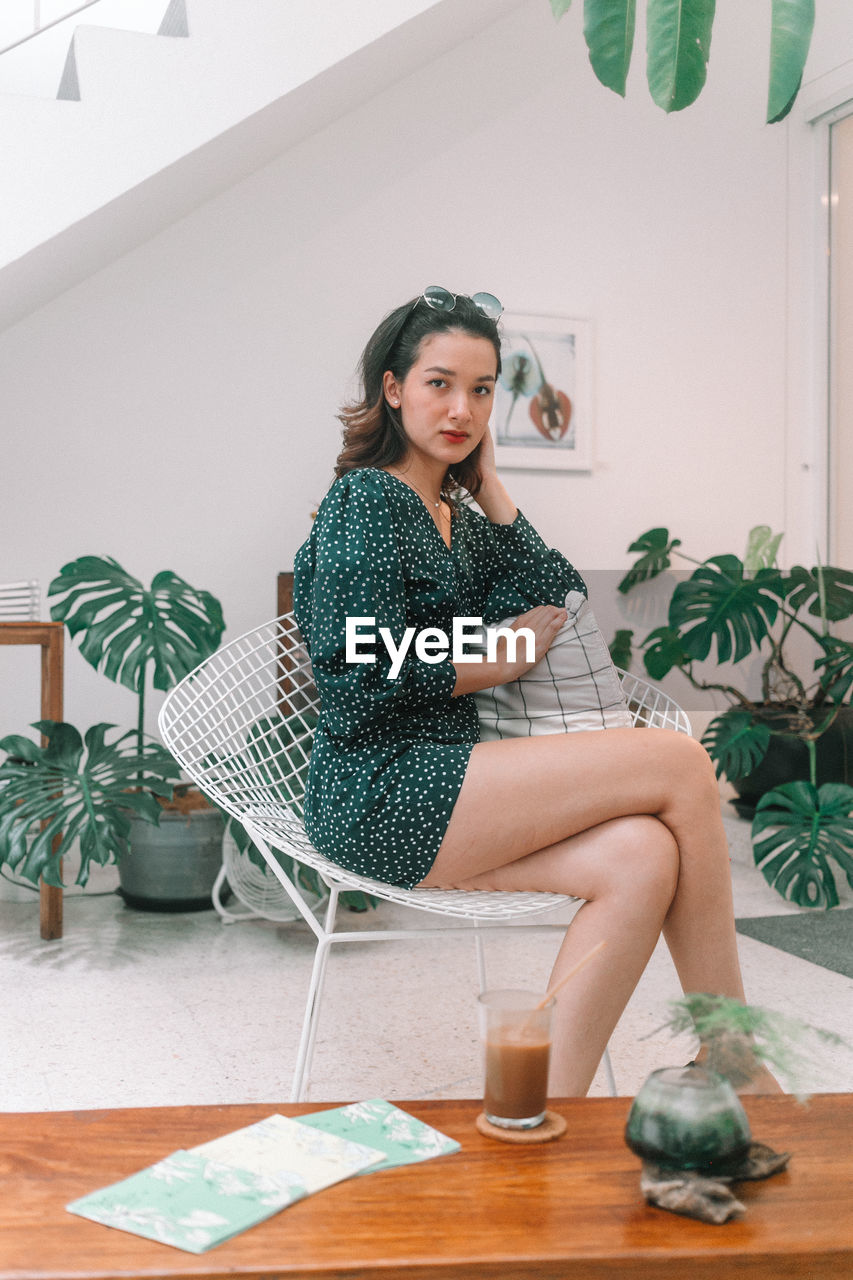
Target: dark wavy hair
373	431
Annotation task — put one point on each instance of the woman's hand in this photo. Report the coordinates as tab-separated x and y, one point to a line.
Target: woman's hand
544	621
486	460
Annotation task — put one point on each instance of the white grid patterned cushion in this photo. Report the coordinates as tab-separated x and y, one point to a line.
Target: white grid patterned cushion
574	686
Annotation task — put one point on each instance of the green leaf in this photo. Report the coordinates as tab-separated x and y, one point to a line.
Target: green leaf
762	545
828	592
621	649
663	651
678	39
790	37
656	547
81	788
608	27
559	7
720	603
836	678
737	742
805	828
126	628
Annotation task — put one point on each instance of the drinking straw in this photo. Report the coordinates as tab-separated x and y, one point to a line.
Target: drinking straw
580	964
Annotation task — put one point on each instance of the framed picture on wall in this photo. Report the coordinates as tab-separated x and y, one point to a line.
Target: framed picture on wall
542	419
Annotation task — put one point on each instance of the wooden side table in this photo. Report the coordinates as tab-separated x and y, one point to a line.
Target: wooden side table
49	635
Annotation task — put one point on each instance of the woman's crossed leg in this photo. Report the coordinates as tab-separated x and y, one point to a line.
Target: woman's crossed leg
626	819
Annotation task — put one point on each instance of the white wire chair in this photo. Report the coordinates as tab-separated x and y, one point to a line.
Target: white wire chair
20	601
241	725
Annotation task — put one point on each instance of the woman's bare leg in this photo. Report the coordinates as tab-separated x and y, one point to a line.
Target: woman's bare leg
559	796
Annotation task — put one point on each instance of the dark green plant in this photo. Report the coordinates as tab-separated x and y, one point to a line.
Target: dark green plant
71	790
127	628
126	631
678	46
732	609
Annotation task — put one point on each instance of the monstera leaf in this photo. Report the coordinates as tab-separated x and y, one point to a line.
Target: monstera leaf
126	627
805	826
828	592
656	546
79	790
721	602
663	651
737	742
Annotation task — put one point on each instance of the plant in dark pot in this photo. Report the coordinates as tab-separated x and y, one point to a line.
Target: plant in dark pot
788	750
116	798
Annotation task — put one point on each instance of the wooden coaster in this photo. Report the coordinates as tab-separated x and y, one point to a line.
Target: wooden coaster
553	1126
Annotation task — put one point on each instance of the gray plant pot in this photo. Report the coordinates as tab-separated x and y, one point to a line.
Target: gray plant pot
172	867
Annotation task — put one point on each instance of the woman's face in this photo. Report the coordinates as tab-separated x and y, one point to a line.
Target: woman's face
446	397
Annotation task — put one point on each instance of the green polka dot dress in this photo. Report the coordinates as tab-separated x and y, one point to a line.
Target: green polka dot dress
389	755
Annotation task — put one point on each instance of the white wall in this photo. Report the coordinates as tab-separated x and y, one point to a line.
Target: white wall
176	410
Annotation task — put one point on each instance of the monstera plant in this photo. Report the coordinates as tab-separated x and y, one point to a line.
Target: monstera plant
733	609
88	787
678	46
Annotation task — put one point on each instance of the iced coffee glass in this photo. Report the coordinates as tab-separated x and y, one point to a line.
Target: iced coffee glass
516	1039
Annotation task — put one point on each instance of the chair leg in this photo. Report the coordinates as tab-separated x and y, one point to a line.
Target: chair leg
305	1054
481	956
608	1071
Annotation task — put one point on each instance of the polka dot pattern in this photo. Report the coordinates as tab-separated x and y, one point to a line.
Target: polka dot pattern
389	755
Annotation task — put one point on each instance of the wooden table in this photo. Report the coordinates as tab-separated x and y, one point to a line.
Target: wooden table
569	1210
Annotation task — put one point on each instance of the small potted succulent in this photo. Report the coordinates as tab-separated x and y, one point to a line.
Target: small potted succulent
690	1117
787	750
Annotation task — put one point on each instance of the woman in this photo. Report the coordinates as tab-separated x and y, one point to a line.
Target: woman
400	786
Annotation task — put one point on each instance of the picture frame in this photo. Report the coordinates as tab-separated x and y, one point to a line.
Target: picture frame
542	417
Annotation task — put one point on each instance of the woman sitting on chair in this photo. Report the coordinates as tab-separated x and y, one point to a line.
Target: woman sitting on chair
400	785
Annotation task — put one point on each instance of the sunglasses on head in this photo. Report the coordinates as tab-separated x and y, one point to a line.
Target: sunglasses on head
441	299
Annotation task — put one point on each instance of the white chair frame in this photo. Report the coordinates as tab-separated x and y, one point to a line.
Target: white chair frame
223	723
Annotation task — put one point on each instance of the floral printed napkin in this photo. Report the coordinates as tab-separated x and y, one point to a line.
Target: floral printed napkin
379	1124
196	1199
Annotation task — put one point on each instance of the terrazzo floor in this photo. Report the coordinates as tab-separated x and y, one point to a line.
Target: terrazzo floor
133	1008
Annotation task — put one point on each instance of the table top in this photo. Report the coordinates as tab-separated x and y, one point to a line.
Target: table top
569	1209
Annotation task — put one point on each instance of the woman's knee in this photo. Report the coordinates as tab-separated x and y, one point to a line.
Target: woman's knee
690	769
646	860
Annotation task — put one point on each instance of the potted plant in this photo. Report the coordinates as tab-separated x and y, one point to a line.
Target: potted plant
117	797
788	749
690	1116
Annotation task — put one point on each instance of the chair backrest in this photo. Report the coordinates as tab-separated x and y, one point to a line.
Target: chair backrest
242	723
20	601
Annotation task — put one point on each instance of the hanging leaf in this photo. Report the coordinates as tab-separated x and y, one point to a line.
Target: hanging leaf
828	592
81	789
656	547
737	742
663	650
836	677
806	827
790	37
125	627
608	27
762	545
559	7
678	39
718	602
